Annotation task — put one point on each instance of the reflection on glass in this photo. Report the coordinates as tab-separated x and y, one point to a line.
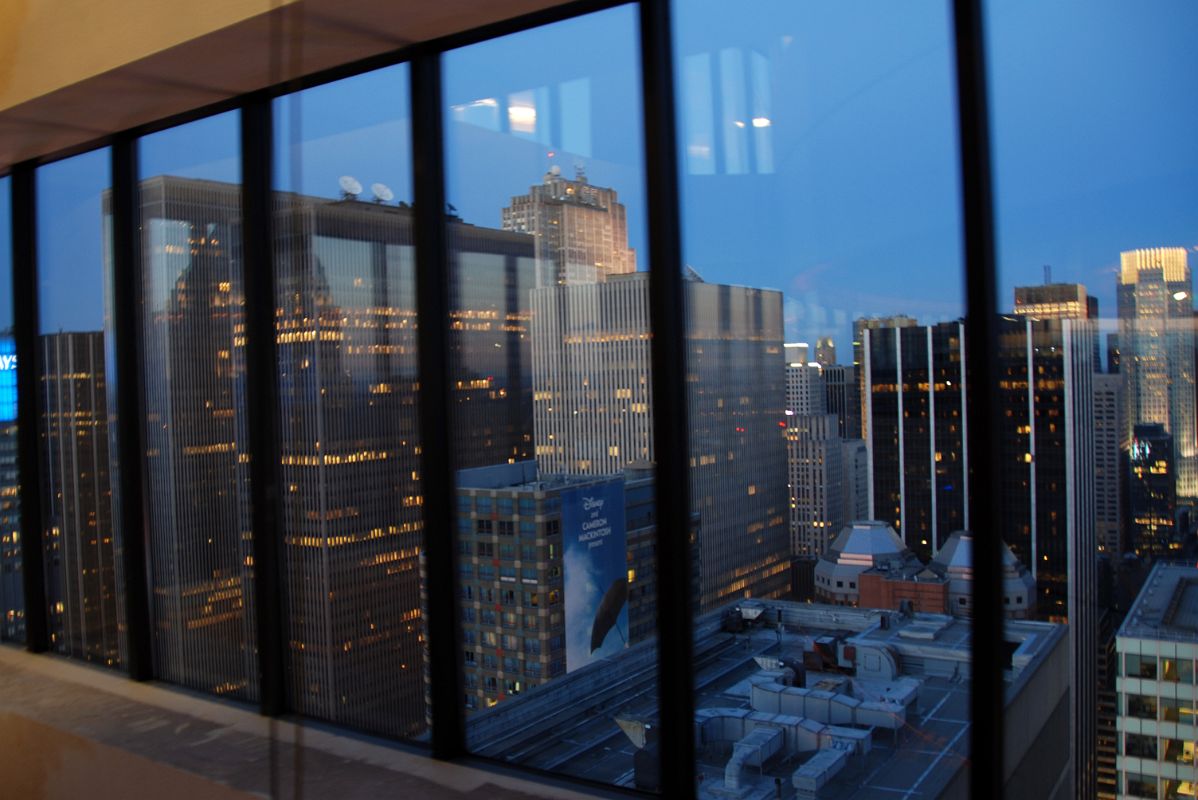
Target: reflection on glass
193	327
350	433
826	371
83	566
550	399
12	600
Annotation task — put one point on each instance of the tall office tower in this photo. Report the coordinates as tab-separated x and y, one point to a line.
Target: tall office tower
840	383
1055	301
815	473
1108	477
81	567
816	480
1155	699
197	465
12	600
1156	340
855	458
860	326
1151	492
592	407
916	430
825	351
797	352
1112	353
1047	513
805	391
581	231
349	436
532	583
1059	301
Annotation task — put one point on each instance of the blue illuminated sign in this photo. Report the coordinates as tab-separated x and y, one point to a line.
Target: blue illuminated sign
8	379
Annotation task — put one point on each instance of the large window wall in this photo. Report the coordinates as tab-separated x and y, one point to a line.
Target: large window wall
196	426
663	509
82	545
550	402
12	600
347	372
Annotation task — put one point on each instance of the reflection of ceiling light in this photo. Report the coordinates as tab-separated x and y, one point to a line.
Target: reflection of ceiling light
522	118
1180	295
738	123
761	122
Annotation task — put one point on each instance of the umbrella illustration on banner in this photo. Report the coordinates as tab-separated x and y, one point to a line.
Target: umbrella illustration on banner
609	612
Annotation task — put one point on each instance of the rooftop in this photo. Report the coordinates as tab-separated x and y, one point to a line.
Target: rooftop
1167	606
915	741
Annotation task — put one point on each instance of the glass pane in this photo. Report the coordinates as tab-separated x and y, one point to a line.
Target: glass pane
83	566
350	433
550	402
825	365
193	327
12	600
1095	235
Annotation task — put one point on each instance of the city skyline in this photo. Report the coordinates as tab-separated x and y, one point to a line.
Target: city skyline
1114	204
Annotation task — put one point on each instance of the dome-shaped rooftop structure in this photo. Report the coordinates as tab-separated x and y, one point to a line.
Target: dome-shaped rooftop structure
866	542
858	547
955	561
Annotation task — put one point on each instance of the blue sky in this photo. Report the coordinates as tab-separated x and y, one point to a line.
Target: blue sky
847	201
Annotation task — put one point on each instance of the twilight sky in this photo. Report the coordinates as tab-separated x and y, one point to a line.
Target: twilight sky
843	194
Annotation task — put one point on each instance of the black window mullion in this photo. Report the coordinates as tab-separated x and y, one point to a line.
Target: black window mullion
436	473
262	397
25	331
981	344
670	433
130	447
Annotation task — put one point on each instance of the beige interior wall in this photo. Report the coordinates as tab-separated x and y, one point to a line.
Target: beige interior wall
75	71
47	45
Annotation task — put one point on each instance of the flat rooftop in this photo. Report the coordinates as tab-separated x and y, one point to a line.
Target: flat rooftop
1167	606
570	725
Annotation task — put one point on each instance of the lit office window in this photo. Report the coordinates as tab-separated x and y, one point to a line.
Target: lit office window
74	343
1095	212
825	370
12	600
193	329
350	478
550	401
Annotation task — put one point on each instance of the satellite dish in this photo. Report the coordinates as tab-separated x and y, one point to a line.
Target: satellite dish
382	192
350	186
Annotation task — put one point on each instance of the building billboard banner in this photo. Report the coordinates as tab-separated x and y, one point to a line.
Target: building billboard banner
596	572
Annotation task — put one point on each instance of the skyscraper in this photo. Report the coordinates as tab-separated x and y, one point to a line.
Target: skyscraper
913	378
840	382
580	230
860	326
350	436
915	427
593	401
1108	476
825	351
1156	344
82	569
1151	492
815	474
1047	512
1055	301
